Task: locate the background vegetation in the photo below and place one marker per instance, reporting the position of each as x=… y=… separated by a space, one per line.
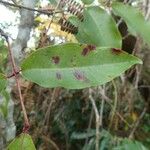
x=114 y=116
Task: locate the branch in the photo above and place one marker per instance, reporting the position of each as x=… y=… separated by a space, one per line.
x=26 y=121
x=89 y=125
x=31 y=9
x=97 y=119
x=137 y=123
x=13 y=74
x=15 y=51
x=102 y=106
x=25 y=26
x=114 y=105
x=108 y=101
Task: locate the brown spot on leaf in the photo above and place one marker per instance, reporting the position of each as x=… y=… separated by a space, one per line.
x=116 y=51
x=58 y=76
x=80 y=75
x=55 y=59
x=85 y=51
x=88 y=49
x=91 y=47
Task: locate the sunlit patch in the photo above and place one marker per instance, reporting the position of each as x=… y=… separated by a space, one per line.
x=55 y=59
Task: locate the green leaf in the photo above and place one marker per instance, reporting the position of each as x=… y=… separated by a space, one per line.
x=134 y=19
x=82 y=135
x=22 y=142
x=3 y=82
x=90 y=145
x=54 y=2
x=98 y=28
x=87 y=1
x=130 y=145
x=74 y=20
x=4 y=105
x=105 y=140
x=3 y=56
x=74 y=67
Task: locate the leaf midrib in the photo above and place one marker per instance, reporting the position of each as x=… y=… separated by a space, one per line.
x=71 y=68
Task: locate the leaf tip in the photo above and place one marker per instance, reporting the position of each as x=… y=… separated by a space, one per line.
x=139 y=61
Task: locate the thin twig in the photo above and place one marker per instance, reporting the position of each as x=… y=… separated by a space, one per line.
x=51 y=142
x=144 y=86
x=53 y=16
x=137 y=123
x=89 y=125
x=108 y=101
x=115 y=104
x=102 y=106
x=13 y=74
x=14 y=69
x=137 y=77
x=52 y=100
x=137 y=50
x=97 y=119
x=30 y=9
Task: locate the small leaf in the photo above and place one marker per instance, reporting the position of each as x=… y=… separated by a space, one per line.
x=3 y=82
x=74 y=20
x=54 y=2
x=98 y=28
x=130 y=145
x=78 y=66
x=3 y=56
x=90 y=145
x=134 y=19
x=22 y=142
x=87 y=1
x=83 y=135
x=4 y=105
